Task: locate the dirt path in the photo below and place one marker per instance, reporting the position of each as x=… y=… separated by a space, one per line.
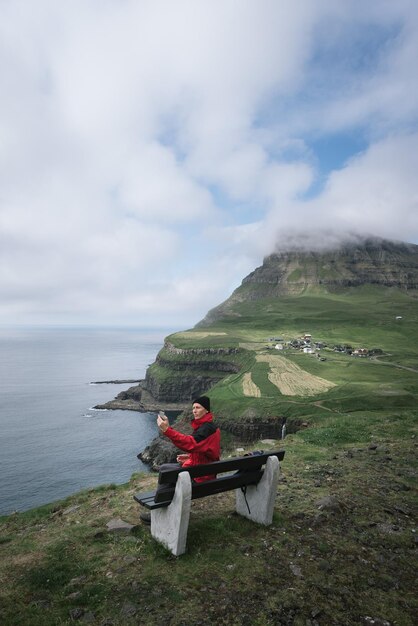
x=249 y=388
x=292 y=380
x=401 y=367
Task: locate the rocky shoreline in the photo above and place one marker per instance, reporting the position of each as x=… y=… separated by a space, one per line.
x=113 y=382
x=139 y=399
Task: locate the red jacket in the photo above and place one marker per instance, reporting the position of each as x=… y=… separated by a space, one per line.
x=204 y=446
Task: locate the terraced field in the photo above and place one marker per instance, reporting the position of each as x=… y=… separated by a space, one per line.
x=249 y=388
x=292 y=380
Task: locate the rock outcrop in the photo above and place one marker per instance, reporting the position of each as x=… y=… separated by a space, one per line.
x=291 y=272
x=159 y=451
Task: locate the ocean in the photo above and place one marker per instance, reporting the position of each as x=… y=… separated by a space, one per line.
x=52 y=442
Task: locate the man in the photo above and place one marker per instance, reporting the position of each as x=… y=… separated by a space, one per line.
x=203 y=446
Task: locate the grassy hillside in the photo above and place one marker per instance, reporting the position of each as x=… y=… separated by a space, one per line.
x=294 y=384
x=341 y=549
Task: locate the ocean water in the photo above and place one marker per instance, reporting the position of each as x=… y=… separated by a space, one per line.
x=52 y=443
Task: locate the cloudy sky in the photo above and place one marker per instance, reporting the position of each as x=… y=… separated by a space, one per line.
x=152 y=152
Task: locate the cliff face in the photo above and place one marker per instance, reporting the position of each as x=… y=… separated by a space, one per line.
x=176 y=377
x=179 y=374
x=373 y=262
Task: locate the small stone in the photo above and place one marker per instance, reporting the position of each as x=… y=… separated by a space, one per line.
x=375 y=621
x=71 y=509
x=296 y=571
x=387 y=529
x=99 y=535
x=128 y=609
x=401 y=509
x=117 y=525
x=319 y=518
x=78 y=580
x=129 y=559
x=74 y=595
x=328 y=503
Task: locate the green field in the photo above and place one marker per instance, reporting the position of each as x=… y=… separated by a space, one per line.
x=362 y=318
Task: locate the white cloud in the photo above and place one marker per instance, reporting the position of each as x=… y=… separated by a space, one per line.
x=154 y=150
x=377 y=191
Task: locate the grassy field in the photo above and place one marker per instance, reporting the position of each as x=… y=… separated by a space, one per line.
x=341 y=549
x=362 y=318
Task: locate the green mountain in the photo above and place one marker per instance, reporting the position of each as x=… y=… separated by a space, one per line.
x=295 y=272
x=305 y=335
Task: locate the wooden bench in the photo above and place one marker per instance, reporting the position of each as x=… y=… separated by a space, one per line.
x=254 y=479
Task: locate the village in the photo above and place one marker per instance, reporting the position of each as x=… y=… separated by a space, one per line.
x=306 y=344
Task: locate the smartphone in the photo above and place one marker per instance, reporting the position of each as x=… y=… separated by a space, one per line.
x=161 y=413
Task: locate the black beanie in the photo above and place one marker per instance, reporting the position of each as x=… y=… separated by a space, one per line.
x=203 y=401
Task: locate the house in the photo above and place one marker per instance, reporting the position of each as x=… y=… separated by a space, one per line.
x=308 y=350
x=360 y=352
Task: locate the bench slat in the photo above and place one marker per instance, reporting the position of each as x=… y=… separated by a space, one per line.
x=156 y=499
x=218 y=467
x=225 y=483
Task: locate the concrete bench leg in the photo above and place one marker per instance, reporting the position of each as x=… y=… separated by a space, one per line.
x=169 y=524
x=261 y=497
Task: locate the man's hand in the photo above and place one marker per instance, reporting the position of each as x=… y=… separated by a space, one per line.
x=162 y=423
x=182 y=458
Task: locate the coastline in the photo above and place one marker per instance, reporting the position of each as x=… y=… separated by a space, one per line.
x=139 y=399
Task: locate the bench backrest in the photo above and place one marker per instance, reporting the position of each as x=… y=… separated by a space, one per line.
x=250 y=470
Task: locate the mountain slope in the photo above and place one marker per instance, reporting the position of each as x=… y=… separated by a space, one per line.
x=374 y=262
x=306 y=335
